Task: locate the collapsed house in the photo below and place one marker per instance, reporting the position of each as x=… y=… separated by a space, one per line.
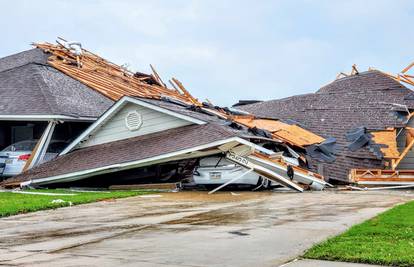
x=370 y=114
x=43 y=108
x=154 y=125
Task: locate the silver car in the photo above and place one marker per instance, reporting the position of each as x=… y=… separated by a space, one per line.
x=14 y=157
x=217 y=171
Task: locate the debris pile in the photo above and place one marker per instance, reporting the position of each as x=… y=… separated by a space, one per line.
x=357 y=129
x=275 y=150
x=106 y=77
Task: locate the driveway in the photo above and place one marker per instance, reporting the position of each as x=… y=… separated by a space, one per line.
x=187 y=229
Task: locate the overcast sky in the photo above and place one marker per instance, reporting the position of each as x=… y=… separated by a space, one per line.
x=225 y=50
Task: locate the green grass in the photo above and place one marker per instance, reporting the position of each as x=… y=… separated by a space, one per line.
x=12 y=203
x=387 y=239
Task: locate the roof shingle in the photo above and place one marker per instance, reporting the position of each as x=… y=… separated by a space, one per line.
x=29 y=86
x=128 y=150
x=369 y=99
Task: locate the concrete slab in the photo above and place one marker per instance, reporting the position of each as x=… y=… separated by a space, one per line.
x=187 y=229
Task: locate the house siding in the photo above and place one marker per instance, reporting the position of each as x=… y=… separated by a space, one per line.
x=115 y=128
x=407 y=163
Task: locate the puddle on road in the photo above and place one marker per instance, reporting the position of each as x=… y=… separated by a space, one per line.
x=64 y=233
x=259 y=214
x=217 y=217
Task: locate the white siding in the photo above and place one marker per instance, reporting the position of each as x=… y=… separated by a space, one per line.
x=115 y=128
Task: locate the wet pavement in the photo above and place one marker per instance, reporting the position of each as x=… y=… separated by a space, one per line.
x=187 y=229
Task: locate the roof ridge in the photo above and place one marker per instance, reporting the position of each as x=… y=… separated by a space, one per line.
x=21 y=66
x=41 y=89
x=22 y=58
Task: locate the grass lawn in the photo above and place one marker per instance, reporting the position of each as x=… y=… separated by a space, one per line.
x=12 y=203
x=387 y=239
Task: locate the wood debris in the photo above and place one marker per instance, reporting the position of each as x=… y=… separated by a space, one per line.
x=291 y=134
x=107 y=78
x=382 y=177
x=116 y=81
x=404 y=76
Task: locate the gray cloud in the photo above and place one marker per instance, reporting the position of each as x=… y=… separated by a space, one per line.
x=225 y=50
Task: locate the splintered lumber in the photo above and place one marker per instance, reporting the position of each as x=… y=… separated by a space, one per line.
x=186 y=93
x=403 y=76
x=291 y=134
x=382 y=177
x=108 y=78
x=408 y=68
x=157 y=77
x=160 y=186
x=114 y=82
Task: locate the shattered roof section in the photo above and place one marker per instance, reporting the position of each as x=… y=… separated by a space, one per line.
x=114 y=82
x=128 y=150
x=107 y=78
x=388 y=140
x=369 y=99
x=28 y=86
x=282 y=132
x=292 y=134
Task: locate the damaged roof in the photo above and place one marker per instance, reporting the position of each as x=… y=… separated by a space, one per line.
x=370 y=99
x=91 y=159
x=107 y=78
x=30 y=86
x=128 y=150
x=212 y=123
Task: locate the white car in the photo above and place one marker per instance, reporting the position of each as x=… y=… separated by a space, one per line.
x=218 y=170
x=14 y=157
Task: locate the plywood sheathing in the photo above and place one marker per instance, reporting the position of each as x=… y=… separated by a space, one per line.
x=107 y=78
x=291 y=134
x=389 y=139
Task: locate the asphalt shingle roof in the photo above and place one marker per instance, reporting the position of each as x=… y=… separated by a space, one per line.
x=369 y=99
x=127 y=150
x=29 y=86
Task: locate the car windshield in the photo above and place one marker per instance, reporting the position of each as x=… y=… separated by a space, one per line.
x=27 y=145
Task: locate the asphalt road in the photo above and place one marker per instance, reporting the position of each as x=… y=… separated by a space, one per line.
x=187 y=229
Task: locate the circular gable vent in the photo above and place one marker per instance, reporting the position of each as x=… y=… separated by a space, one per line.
x=133 y=120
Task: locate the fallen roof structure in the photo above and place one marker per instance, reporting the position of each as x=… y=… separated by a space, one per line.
x=115 y=82
x=188 y=134
x=151 y=123
x=371 y=108
x=107 y=78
